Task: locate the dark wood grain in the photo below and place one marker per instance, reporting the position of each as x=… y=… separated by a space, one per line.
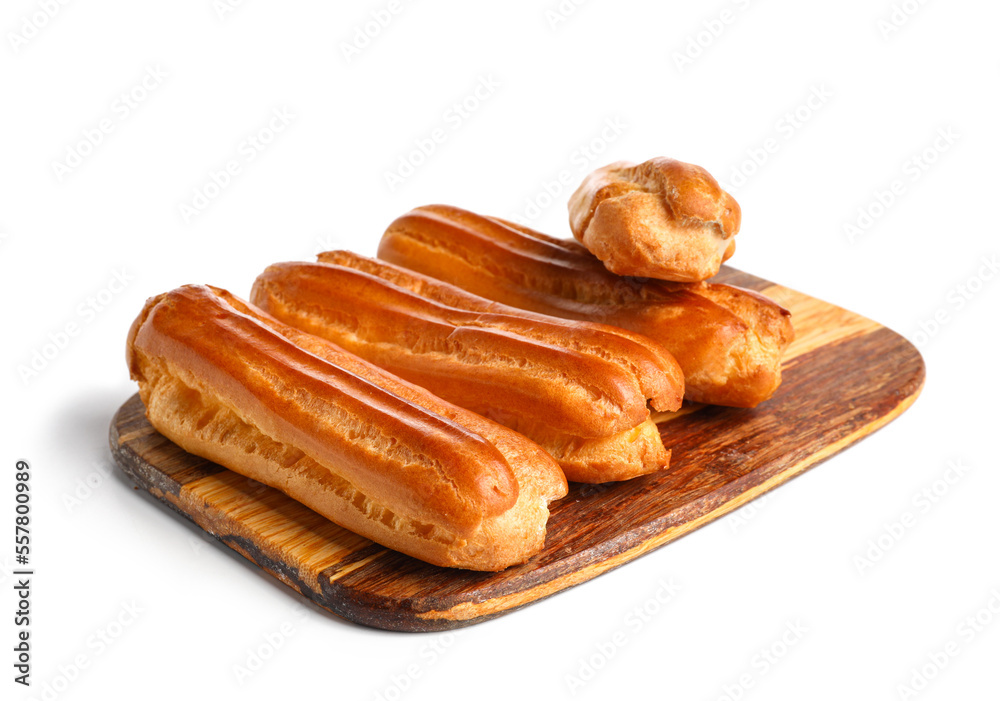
x=844 y=377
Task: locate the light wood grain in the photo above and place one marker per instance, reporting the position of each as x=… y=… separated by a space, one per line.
x=844 y=377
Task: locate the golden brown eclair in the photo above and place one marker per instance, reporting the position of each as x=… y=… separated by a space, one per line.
x=569 y=385
x=377 y=455
x=657 y=371
x=727 y=340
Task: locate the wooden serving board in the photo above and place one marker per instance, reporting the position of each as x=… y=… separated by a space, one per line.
x=844 y=377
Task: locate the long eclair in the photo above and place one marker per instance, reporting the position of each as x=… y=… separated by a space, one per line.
x=578 y=389
x=369 y=451
x=728 y=340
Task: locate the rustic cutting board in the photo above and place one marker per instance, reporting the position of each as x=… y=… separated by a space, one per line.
x=844 y=377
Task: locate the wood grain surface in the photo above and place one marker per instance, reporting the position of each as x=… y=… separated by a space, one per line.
x=844 y=377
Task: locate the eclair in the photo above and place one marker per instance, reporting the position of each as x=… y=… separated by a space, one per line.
x=367 y=450
x=578 y=389
x=727 y=340
x=662 y=219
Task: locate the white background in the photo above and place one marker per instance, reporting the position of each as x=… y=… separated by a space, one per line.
x=321 y=183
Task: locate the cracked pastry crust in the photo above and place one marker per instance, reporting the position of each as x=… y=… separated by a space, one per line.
x=369 y=451
x=661 y=219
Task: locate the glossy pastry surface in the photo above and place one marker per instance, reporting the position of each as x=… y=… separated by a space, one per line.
x=371 y=452
x=727 y=340
x=571 y=386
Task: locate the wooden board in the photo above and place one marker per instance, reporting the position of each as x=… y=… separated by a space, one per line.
x=844 y=377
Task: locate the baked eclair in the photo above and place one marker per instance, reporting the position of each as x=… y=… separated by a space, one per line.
x=371 y=452
x=727 y=340
x=570 y=386
x=662 y=219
